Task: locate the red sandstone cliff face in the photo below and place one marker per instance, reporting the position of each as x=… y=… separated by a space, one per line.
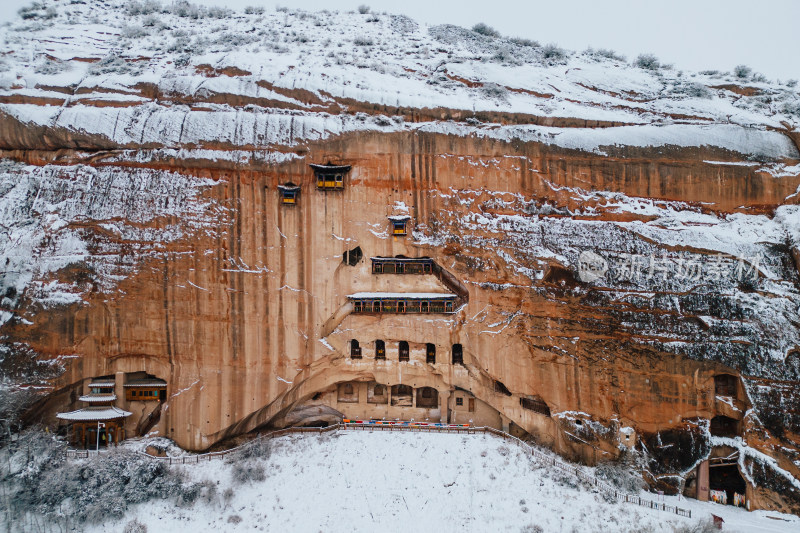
x=161 y=245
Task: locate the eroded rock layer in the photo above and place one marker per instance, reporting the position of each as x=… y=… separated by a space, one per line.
x=620 y=284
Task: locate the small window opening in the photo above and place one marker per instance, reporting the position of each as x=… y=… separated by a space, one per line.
x=403 y=351
x=430 y=353
x=458 y=354
x=380 y=349
x=399 y=227
x=355 y=349
x=352 y=257
x=289 y=193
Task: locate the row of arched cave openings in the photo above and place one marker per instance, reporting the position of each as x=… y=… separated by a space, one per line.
x=404 y=352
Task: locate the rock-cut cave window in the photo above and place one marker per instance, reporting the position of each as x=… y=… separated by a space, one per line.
x=430 y=353
x=355 y=349
x=403 y=351
x=458 y=354
x=352 y=257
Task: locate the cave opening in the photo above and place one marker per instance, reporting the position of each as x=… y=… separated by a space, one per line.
x=726 y=484
x=403 y=351
x=380 y=349
x=457 y=354
x=430 y=353
x=427 y=397
x=352 y=257
x=725 y=385
x=724 y=426
x=355 y=349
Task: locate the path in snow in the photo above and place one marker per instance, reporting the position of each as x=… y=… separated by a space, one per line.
x=416 y=482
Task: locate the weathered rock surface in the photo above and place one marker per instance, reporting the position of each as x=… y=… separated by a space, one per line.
x=148 y=235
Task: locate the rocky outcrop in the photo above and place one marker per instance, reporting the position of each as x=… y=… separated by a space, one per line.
x=152 y=237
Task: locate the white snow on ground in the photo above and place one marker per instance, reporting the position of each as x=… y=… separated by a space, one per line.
x=402 y=481
x=105 y=50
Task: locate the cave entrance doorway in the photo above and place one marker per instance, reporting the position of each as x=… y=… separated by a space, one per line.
x=724 y=426
x=427 y=397
x=402 y=395
x=726 y=484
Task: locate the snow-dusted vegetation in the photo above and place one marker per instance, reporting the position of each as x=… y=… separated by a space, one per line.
x=183 y=50
x=115 y=105
x=335 y=482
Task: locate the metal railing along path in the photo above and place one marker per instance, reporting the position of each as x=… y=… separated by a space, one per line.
x=359 y=425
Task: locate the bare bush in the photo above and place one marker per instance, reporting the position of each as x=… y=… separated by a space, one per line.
x=92 y=491
x=37 y=11
x=792 y=108
x=50 y=67
x=647 y=62
x=113 y=63
x=694 y=90
x=553 y=54
x=134 y=32
x=742 y=71
x=363 y=9
x=624 y=473
x=143 y=8
x=519 y=41
x=134 y=526
x=485 y=29
x=254 y=10
x=495 y=91
x=247 y=472
x=604 y=53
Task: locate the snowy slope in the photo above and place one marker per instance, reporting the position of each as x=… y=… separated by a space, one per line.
x=401 y=481
x=297 y=64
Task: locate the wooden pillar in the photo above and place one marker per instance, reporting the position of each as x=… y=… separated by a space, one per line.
x=702 y=482
x=444 y=402
x=363 y=390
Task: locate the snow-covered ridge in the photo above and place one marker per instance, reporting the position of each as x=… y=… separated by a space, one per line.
x=291 y=66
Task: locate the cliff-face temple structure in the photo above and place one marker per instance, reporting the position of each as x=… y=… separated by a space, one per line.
x=216 y=223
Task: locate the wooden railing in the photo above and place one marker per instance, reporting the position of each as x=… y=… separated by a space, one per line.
x=544 y=458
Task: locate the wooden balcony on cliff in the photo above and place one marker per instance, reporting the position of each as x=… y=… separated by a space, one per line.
x=146 y=390
x=402 y=265
x=330 y=177
x=402 y=303
x=399 y=223
x=537 y=405
x=289 y=193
